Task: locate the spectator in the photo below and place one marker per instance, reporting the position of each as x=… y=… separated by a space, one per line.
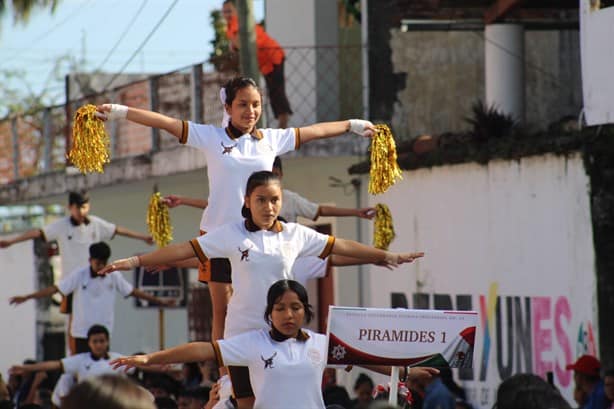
x=363 y=388
x=190 y=375
x=108 y=392
x=528 y=391
x=587 y=378
x=336 y=395
x=436 y=394
x=608 y=386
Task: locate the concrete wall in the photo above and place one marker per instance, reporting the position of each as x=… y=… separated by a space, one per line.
x=445 y=75
x=496 y=235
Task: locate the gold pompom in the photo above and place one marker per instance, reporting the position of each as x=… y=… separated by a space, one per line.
x=383 y=231
x=90 y=147
x=158 y=220
x=384 y=170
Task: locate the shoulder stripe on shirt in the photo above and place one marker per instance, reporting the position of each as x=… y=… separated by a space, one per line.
x=218 y=354
x=328 y=248
x=297 y=138
x=184 y=132
x=198 y=251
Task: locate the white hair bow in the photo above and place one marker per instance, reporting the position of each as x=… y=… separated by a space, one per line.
x=226 y=117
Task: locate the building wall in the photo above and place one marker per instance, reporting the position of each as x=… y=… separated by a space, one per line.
x=444 y=75
x=515 y=238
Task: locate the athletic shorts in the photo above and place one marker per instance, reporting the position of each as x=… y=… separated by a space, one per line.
x=241 y=386
x=216 y=270
x=276 y=86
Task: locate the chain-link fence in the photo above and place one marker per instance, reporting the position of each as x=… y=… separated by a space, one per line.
x=322 y=84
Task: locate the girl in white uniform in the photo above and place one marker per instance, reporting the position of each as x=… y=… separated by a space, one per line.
x=233 y=152
x=261 y=250
x=285 y=361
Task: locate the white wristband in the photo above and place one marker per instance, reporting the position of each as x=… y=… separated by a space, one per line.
x=133 y=262
x=358 y=126
x=117 y=111
x=391 y=258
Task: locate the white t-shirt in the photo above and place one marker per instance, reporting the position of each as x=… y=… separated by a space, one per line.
x=75 y=241
x=230 y=162
x=294 y=205
x=93 y=299
x=307 y=268
x=283 y=375
x=258 y=259
x=83 y=366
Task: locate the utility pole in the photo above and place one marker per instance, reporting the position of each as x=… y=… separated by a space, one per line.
x=247 y=39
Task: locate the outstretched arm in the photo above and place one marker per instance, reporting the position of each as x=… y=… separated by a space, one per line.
x=141 y=116
x=329 y=129
x=39 y=366
x=45 y=292
x=165 y=255
x=29 y=235
x=350 y=248
x=365 y=212
x=148 y=297
x=407 y=373
x=190 y=352
x=174 y=201
x=122 y=231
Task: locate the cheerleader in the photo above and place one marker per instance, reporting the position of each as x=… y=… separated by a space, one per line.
x=261 y=250
x=233 y=152
x=285 y=361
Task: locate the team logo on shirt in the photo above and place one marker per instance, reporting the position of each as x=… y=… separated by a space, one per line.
x=227 y=149
x=268 y=362
x=244 y=253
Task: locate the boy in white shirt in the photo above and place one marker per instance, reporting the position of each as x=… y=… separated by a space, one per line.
x=94 y=295
x=74 y=234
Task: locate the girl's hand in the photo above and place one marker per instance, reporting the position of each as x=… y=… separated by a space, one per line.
x=408 y=257
x=362 y=127
x=16 y=370
x=130 y=362
x=367 y=213
x=111 y=111
x=123 y=264
x=172 y=200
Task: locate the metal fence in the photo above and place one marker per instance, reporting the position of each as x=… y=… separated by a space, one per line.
x=322 y=83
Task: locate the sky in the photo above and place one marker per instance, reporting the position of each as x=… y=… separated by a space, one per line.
x=87 y=30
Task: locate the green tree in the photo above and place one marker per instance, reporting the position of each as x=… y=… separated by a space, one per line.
x=22 y=9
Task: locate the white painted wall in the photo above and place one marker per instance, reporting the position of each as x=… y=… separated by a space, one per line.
x=511 y=228
x=18 y=323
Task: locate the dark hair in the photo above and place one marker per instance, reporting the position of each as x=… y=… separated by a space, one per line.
x=100 y=251
x=528 y=391
x=97 y=329
x=200 y=393
x=363 y=378
x=336 y=396
x=261 y=178
x=277 y=290
x=230 y=1
x=277 y=163
x=78 y=198
x=238 y=83
x=164 y=402
x=107 y=392
x=609 y=372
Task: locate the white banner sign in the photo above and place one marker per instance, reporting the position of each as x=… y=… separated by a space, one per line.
x=399 y=337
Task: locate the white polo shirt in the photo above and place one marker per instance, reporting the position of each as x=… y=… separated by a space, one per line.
x=294 y=205
x=83 y=366
x=75 y=241
x=307 y=268
x=258 y=259
x=93 y=299
x=283 y=375
x=230 y=162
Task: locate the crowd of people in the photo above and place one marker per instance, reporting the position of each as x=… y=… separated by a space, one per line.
x=255 y=260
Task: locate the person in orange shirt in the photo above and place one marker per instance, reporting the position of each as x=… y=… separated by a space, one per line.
x=271 y=59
